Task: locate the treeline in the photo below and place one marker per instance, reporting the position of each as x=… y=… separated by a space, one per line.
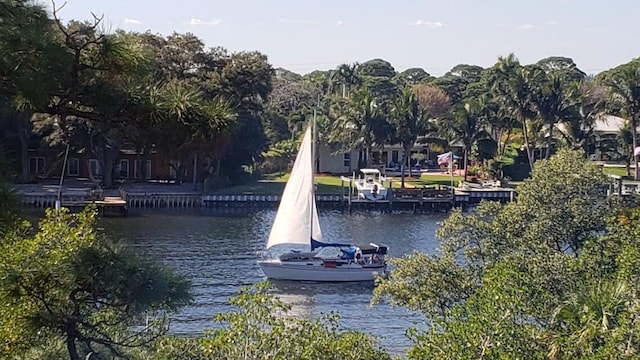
x=490 y=112
x=75 y=85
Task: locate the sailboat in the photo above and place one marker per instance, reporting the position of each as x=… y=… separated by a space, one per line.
x=297 y=224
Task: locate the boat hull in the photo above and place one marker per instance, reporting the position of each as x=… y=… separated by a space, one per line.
x=317 y=271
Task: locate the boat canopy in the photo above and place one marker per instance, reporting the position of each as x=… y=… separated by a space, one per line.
x=319 y=244
x=370 y=171
x=374 y=249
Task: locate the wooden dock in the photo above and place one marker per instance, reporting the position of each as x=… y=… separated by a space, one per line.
x=109 y=205
x=417 y=199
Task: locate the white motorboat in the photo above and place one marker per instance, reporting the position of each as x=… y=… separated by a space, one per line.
x=297 y=223
x=369 y=185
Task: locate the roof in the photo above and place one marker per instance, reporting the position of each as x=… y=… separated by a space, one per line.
x=606 y=124
x=370 y=171
x=609 y=124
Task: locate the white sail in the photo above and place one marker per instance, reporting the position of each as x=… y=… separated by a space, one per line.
x=297 y=216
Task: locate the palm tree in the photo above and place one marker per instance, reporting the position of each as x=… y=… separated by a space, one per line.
x=583 y=323
x=509 y=82
x=346 y=75
x=623 y=83
x=354 y=122
x=410 y=122
x=553 y=101
x=579 y=125
x=467 y=125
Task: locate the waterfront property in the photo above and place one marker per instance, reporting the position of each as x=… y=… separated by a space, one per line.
x=429 y=194
x=418 y=199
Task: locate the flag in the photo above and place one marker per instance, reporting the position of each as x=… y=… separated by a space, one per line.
x=445 y=158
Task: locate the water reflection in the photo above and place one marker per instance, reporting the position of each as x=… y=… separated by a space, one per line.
x=218 y=250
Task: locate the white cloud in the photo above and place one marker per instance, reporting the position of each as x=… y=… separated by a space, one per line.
x=132 y=21
x=434 y=25
x=339 y=23
x=298 y=21
x=525 y=27
x=199 y=22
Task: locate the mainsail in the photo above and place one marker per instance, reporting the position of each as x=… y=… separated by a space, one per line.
x=297 y=221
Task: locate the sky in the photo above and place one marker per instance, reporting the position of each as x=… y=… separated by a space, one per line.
x=303 y=36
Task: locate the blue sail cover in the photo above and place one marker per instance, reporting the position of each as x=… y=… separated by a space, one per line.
x=318 y=244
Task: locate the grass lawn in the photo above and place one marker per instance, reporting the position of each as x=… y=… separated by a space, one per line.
x=331 y=184
x=328 y=184
x=618 y=170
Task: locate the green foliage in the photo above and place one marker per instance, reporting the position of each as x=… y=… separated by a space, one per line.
x=490 y=324
x=70 y=283
x=504 y=270
x=261 y=329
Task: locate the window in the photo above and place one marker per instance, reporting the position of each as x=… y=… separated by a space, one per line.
x=124 y=169
x=172 y=169
x=346 y=160
x=394 y=156
x=73 y=167
x=94 y=166
x=36 y=166
x=136 y=170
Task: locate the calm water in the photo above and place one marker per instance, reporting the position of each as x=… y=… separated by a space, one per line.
x=217 y=251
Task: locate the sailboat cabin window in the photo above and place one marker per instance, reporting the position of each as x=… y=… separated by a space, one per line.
x=346 y=159
x=73 y=167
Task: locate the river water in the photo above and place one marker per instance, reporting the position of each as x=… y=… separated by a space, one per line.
x=217 y=250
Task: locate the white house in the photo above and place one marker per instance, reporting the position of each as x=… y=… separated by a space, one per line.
x=335 y=162
x=605 y=131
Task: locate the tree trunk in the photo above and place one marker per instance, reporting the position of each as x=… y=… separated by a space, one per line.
x=71 y=348
x=140 y=175
x=107 y=169
x=404 y=164
x=549 y=140
x=466 y=152
x=634 y=140
x=24 y=157
x=525 y=133
x=92 y=178
x=195 y=170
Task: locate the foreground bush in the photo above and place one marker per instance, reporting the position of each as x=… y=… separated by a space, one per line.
x=261 y=329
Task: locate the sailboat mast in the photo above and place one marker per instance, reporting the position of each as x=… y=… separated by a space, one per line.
x=313 y=172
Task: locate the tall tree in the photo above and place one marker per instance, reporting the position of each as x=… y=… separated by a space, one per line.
x=577 y=129
x=67 y=282
x=467 y=125
x=354 y=124
x=410 y=122
x=553 y=100
x=509 y=82
x=346 y=76
x=623 y=83
x=29 y=50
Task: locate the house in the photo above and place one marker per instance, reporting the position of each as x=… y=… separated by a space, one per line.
x=47 y=163
x=605 y=132
x=604 y=145
x=333 y=161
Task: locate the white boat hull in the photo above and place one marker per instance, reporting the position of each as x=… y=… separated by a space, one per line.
x=316 y=271
x=369 y=194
